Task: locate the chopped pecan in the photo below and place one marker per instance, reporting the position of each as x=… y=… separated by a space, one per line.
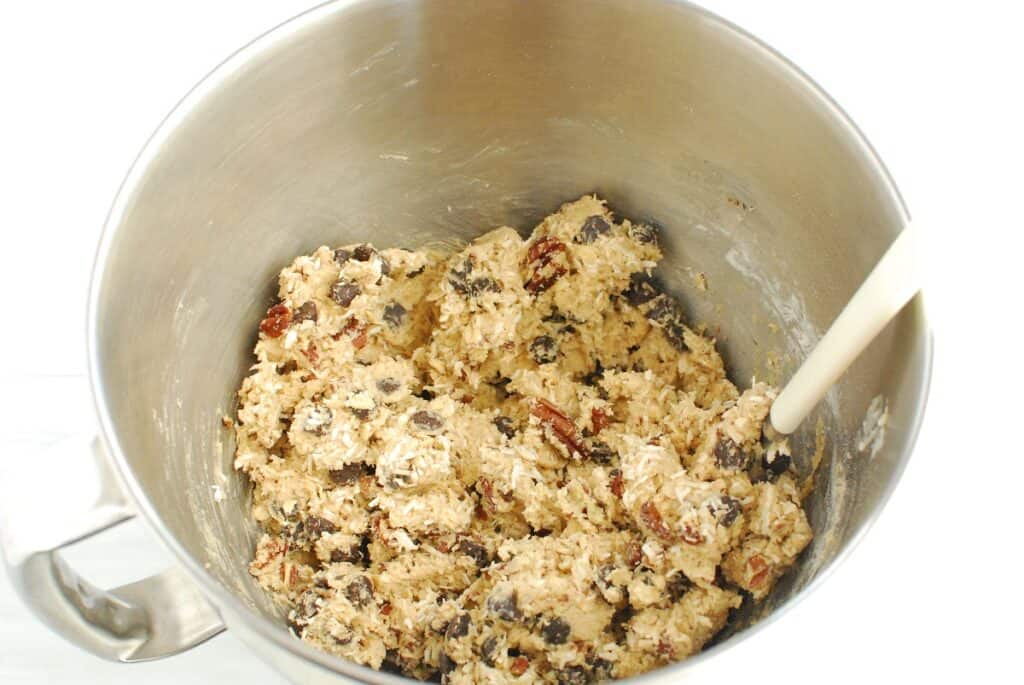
x=691 y=535
x=599 y=419
x=544 y=270
x=311 y=354
x=617 y=486
x=487 y=490
x=635 y=553
x=356 y=330
x=759 y=571
x=519 y=666
x=277 y=320
x=560 y=424
x=275 y=548
x=651 y=517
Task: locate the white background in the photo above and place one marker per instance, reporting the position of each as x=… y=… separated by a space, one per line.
x=931 y=595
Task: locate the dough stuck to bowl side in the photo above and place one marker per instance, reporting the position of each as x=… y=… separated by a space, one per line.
x=515 y=462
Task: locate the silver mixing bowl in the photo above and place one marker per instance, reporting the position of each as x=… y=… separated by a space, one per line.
x=401 y=122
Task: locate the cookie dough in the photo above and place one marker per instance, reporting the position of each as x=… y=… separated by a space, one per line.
x=514 y=463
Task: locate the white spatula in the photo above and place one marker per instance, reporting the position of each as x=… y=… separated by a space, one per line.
x=893 y=282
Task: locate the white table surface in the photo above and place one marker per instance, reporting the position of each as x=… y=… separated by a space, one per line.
x=931 y=594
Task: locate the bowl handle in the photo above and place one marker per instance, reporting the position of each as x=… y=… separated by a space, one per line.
x=148 y=619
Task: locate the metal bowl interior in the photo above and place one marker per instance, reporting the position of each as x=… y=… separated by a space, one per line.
x=402 y=123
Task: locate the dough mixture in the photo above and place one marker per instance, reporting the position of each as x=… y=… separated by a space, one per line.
x=514 y=463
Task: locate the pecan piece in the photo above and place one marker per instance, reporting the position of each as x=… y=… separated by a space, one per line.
x=519 y=666
x=759 y=571
x=277 y=320
x=691 y=535
x=634 y=553
x=355 y=330
x=487 y=490
x=651 y=517
x=617 y=486
x=560 y=424
x=544 y=270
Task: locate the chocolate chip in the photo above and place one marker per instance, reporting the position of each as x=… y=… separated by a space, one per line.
x=483 y=285
x=728 y=511
x=305 y=609
x=280 y=446
x=461 y=280
x=458 y=276
x=457 y=627
x=287 y=367
x=500 y=387
x=445 y=664
x=385 y=267
x=601 y=668
x=667 y=314
x=352 y=555
x=678 y=585
x=544 y=349
x=593 y=228
x=594 y=376
x=642 y=289
x=349 y=473
x=572 y=675
x=554 y=317
x=729 y=455
x=426 y=394
x=341 y=255
x=505 y=426
x=360 y=591
x=344 y=291
x=318 y=420
x=505 y=606
x=307 y=312
x=602 y=577
x=316 y=526
x=474 y=550
x=489 y=650
x=428 y=421
x=394 y=314
x=416 y=272
x=388 y=385
x=361 y=413
x=357 y=554
x=556 y=631
x=644 y=234
x=601 y=452
x=392 y=662
x=363 y=253
x=617 y=624
x=777 y=467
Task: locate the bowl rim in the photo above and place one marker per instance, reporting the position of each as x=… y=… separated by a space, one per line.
x=273 y=632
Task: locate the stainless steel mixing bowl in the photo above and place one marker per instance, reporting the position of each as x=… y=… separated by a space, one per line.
x=401 y=122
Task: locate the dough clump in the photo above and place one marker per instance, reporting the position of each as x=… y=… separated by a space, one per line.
x=511 y=463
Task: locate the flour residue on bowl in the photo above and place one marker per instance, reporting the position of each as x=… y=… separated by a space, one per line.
x=871 y=436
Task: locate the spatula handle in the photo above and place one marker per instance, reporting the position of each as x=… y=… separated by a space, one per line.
x=893 y=282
